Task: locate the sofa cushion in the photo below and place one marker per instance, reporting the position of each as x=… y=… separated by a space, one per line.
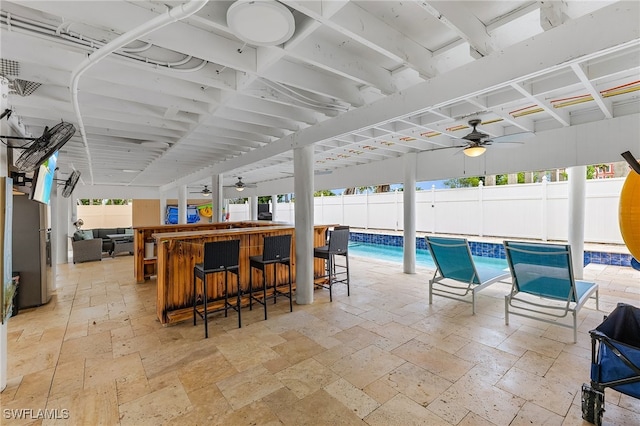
x=83 y=235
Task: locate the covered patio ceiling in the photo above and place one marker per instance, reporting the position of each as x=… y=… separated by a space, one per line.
x=364 y=82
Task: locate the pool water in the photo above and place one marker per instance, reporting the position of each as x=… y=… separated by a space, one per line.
x=423 y=257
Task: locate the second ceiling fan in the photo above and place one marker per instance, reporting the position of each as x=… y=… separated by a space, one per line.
x=240 y=185
x=206 y=192
x=477 y=141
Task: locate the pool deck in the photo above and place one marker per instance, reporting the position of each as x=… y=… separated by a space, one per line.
x=381 y=356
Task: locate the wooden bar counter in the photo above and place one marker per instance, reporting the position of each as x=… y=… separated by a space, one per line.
x=146 y=266
x=178 y=252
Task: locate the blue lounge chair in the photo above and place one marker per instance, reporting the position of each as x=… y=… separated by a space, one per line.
x=543 y=286
x=456 y=273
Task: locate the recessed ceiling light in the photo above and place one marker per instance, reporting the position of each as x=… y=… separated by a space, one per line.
x=260 y=22
x=131 y=171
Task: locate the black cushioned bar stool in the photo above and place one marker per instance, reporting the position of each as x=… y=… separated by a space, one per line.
x=277 y=250
x=219 y=256
x=338 y=246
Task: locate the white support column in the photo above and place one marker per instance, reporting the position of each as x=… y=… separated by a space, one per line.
x=303 y=188
x=433 y=209
x=396 y=207
x=366 y=210
x=254 y=207
x=74 y=209
x=545 y=211
x=480 y=209
x=4 y=172
x=409 y=198
x=274 y=206
x=217 y=197
x=62 y=228
x=163 y=207
x=577 y=190
x=182 y=204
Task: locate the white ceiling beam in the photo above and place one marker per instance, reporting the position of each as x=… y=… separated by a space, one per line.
x=258 y=119
x=604 y=105
x=360 y=70
x=232 y=124
x=359 y=25
x=203 y=44
x=572 y=42
x=467 y=26
x=523 y=123
x=298 y=76
x=220 y=142
x=511 y=16
x=552 y=13
x=262 y=106
x=23 y=44
x=205 y=130
x=560 y=116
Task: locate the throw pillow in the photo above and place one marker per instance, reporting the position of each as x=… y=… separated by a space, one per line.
x=87 y=235
x=78 y=235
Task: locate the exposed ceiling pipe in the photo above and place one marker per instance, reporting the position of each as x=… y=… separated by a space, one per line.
x=170 y=16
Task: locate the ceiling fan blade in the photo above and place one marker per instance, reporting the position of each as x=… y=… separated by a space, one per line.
x=519 y=138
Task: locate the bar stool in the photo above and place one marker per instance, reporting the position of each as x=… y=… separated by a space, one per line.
x=338 y=246
x=277 y=250
x=219 y=256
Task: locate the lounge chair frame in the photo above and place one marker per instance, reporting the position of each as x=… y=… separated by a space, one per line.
x=520 y=302
x=446 y=284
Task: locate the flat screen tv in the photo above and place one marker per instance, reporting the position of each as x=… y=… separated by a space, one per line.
x=43 y=180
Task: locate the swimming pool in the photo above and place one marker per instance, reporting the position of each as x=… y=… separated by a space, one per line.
x=423 y=257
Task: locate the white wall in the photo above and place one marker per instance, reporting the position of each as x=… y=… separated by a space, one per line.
x=102 y=216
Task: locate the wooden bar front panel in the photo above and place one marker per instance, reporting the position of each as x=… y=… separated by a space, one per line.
x=144 y=268
x=179 y=252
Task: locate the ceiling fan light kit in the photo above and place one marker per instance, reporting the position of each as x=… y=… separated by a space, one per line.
x=474 y=151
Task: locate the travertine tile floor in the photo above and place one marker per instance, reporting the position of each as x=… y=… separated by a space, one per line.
x=97 y=354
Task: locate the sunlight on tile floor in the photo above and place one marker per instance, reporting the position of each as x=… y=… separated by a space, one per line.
x=98 y=355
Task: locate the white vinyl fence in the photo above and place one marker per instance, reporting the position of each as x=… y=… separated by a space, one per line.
x=536 y=210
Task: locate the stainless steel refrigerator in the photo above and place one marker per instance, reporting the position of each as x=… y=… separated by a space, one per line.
x=32 y=251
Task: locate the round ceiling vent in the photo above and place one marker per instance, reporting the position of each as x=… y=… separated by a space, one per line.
x=260 y=22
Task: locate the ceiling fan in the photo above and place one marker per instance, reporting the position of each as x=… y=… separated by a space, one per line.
x=205 y=191
x=240 y=185
x=477 y=141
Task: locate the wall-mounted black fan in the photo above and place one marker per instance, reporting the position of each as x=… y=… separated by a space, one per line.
x=70 y=184
x=41 y=148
